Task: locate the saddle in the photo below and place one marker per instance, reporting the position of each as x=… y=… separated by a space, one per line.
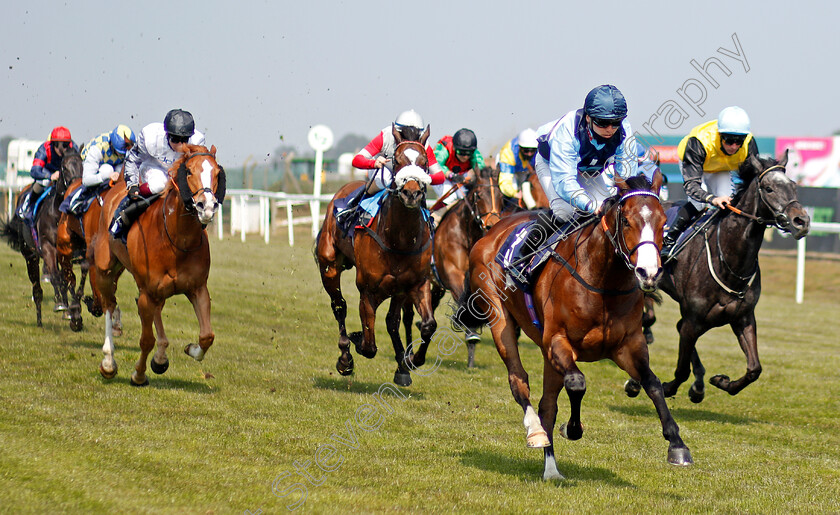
x=696 y=227
x=524 y=270
x=79 y=202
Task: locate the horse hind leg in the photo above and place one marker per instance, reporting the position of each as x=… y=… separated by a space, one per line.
x=744 y=329
x=689 y=333
x=148 y=310
x=34 y=272
x=698 y=390
x=160 y=362
x=331 y=279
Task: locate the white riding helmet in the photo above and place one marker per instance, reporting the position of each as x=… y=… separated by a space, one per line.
x=528 y=139
x=409 y=119
x=733 y=120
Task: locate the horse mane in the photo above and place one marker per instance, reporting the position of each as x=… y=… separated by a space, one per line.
x=173 y=170
x=636 y=183
x=411 y=133
x=748 y=173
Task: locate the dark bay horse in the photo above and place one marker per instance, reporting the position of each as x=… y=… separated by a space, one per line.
x=391 y=256
x=587 y=306
x=167 y=252
x=73 y=238
x=468 y=220
x=716 y=278
x=22 y=238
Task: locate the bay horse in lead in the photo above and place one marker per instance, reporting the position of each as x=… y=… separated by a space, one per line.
x=391 y=255
x=716 y=278
x=167 y=252
x=587 y=306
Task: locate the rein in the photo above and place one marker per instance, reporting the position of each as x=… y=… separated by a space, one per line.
x=618 y=239
x=758 y=219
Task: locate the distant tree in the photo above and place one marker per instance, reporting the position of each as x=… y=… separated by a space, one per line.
x=836 y=133
x=348 y=143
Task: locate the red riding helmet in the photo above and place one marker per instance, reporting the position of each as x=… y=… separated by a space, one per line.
x=60 y=134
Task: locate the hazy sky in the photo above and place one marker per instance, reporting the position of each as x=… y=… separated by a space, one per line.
x=256 y=74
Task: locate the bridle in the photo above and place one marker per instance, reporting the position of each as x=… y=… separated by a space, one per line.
x=188 y=196
x=780 y=219
x=617 y=239
x=483 y=219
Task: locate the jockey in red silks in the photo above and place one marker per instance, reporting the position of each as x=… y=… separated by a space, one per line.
x=46 y=167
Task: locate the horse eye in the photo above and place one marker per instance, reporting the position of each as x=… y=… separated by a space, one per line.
x=768 y=189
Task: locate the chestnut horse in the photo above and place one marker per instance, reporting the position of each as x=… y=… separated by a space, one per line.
x=391 y=255
x=587 y=306
x=167 y=252
x=22 y=238
x=73 y=238
x=468 y=220
x=716 y=278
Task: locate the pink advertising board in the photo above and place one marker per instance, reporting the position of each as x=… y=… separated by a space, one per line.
x=812 y=161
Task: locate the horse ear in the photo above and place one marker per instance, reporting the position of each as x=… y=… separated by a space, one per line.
x=425 y=135
x=755 y=163
x=783 y=161
x=620 y=183
x=213 y=150
x=396 y=133
x=656 y=185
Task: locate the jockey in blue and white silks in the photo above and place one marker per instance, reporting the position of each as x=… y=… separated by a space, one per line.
x=577 y=167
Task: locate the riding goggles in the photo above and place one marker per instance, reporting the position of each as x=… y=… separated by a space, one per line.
x=603 y=123
x=733 y=139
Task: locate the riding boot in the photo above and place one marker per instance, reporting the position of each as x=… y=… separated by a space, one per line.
x=349 y=211
x=27 y=209
x=684 y=217
x=438 y=214
x=126 y=213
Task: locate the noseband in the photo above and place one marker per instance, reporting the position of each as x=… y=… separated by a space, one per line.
x=477 y=215
x=617 y=239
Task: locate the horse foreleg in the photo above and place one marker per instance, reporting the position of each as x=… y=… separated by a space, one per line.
x=366 y=345
x=160 y=362
x=648 y=319
x=744 y=329
x=552 y=384
x=408 y=319
x=200 y=299
x=402 y=376
x=633 y=358
x=422 y=299
x=49 y=254
x=148 y=310
x=689 y=333
x=34 y=272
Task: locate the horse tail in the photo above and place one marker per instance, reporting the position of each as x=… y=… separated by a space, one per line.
x=467 y=315
x=13 y=233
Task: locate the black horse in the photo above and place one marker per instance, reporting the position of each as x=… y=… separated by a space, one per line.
x=38 y=241
x=716 y=279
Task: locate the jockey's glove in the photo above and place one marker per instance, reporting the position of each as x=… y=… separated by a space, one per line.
x=456 y=178
x=134 y=192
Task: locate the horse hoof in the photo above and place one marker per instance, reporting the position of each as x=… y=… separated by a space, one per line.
x=59 y=307
x=75 y=324
x=402 y=379
x=720 y=380
x=116 y=331
x=696 y=395
x=537 y=440
x=648 y=335
x=106 y=374
x=632 y=388
x=473 y=338
x=571 y=434
x=680 y=457
x=357 y=338
x=144 y=383
x=66 y=316
x=344 y=368
x=669 y=389
x=158 y=368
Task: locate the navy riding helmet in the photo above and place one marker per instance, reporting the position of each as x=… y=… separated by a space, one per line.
x=605 y=102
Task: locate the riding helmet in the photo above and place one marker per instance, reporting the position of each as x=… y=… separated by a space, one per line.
x=465 y=139
x=179 y=123
x=733 y=120
x=118 y=137
x=527 y=138
x=60 y=134
x=409 y=118
x=605 y=102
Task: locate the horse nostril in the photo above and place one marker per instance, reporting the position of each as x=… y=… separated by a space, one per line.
x=641 y=272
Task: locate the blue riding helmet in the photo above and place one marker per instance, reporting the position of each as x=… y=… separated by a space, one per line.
x=605 y=102
x=118 y=137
